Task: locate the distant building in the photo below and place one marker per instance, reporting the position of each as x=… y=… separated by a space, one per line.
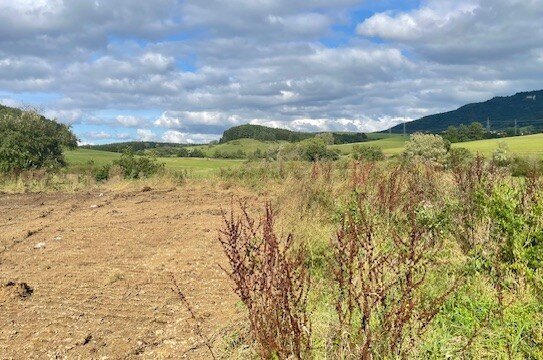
x=531 y=97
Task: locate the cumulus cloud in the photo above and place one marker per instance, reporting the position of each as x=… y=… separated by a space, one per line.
x=146 y=135
x=463 y=31
x=184 y=71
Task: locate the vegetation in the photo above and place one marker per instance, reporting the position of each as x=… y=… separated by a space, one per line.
x=427 y=147
x=525 y=107
x=406 y=260
x=313 y=149
x=264 y=133
x=368 y=153
x=30 y=141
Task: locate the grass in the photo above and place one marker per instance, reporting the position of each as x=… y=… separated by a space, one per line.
x=391 y=144
x=522 y=145
x=198 y=166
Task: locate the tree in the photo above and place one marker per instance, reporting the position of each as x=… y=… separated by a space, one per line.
x=30 y=141
x=427 y=147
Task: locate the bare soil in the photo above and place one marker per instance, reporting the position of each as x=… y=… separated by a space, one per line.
x=89 y=275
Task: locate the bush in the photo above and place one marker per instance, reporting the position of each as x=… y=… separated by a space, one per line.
x=313 y=149
x=137 y=167
x=30 y=141
x=428 y=147
x=368 y=153
x=459 y=158
x=501 y=156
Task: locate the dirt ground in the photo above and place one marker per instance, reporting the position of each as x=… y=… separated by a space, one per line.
x=89 y=275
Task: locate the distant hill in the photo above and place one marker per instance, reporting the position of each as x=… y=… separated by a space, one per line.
x=264 y=133
x=525 y=107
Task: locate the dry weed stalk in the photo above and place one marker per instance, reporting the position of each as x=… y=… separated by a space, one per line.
x=272 y=281
x=197 y=327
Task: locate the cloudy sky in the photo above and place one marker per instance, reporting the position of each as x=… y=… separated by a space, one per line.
x=185 y=70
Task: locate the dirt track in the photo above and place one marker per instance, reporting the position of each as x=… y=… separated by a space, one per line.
x=102 y=280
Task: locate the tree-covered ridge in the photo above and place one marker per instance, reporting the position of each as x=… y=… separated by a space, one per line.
x=264 y=133
x=526 y=108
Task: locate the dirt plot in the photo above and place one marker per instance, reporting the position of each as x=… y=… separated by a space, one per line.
x=88 y=275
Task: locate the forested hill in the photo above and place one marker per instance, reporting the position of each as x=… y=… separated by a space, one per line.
x=525 y=107
x=264 y=133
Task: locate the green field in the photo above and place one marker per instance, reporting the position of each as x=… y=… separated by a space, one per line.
x=391 y=144
x=394 y=144
x=199 y=166
x=522 y=145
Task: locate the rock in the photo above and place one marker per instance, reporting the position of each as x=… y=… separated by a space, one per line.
x=57 y=238
x=39 y=245
x=94 y=206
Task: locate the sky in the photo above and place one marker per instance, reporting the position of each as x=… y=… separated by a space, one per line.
x=185 y=70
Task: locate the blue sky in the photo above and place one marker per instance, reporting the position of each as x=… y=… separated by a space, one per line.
x=184 y=71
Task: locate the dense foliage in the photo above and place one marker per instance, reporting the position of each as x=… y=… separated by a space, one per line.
x=265 y=133
x=313 y=149
x=30 y=141
x=427 y=147
x=368 y=153
x=525 y=107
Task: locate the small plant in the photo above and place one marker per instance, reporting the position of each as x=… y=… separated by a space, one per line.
x=134 y=167
x=271 y=280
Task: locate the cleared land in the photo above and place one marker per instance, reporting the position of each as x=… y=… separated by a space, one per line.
x=101 y=279
x=198 y=166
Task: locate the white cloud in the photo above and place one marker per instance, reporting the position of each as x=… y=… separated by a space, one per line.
x=178 y=137
x=129 y=120
x=146 y=135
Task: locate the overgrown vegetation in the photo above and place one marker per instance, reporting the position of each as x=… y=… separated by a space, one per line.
x=415 y=258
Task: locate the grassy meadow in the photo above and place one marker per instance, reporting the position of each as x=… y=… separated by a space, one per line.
x=80 y=158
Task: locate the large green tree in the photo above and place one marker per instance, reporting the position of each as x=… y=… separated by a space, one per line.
x=30 y=141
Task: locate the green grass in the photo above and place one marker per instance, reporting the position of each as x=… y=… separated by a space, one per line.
x=81 y=157
x=391 y=144
x=248 y=146
x=522 y=145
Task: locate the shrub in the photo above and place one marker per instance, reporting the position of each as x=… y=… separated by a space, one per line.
x=459 y=158
x=368 y=153
x=272 y=282
x=313 y=149
x=134 y=167
x=427 y=147
x=501 y=156
x=30 y=141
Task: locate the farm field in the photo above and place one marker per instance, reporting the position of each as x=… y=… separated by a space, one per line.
x=394 y=144
x=197 y=166
x=391 y=144
x=522 y=145
x=101 y=280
